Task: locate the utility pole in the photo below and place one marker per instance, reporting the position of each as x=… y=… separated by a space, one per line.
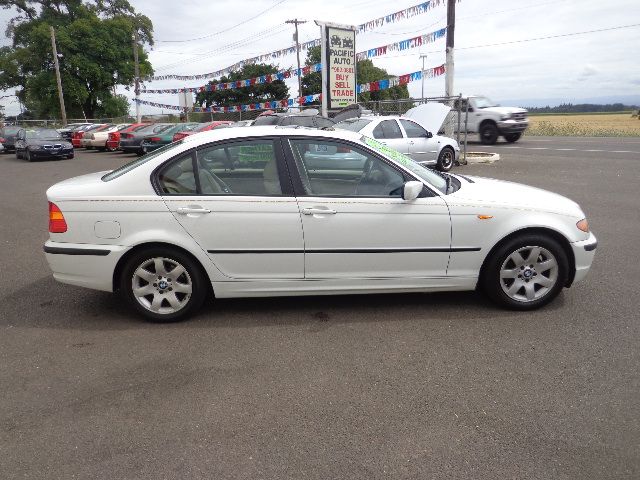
x=58 y=79
x=295 y=21
x=448 y=89
x=137 y=74
x=423 y=57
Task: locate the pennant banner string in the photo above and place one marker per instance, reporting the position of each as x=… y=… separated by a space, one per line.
x=407 y=13
x=290 y=102
x=414 y=42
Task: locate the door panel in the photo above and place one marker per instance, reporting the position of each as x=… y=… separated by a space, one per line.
x=243 y=211
x=367 y=230
x=421 y=148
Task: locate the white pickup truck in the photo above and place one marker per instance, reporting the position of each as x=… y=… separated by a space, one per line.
x=489 y=120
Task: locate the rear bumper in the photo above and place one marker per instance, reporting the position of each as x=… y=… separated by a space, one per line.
x=113 y=144
x=84 y=265
x=584 y=252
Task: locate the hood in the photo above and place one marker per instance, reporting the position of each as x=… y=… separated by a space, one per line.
x=503 y=110
x=498 y=193
x=429 y=115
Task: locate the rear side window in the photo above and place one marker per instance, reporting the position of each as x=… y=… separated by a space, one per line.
x=353 y=125
x=139 y=161
x=387 y=129
x=177 y=177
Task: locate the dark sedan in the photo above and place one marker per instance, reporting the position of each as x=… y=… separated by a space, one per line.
x=8 y=138
x=131 y=142
x=42 y=144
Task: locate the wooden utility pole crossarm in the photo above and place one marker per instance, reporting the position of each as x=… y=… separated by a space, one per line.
x=63 y=111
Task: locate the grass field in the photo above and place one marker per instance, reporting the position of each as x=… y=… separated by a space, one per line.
x=585 y=125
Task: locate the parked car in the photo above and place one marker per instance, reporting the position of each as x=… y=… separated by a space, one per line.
x=8 y=137
x=113 y=140
x=67 y=132
x=98 y=138
x=76 y=137
x=157 y=140
x=201 y=128
x=307 y=118
x=412 y=135
x=390 y=225
x=131 y=142
x=42 y=144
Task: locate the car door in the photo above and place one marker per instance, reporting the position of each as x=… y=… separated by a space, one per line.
x=423 y=146
x=236 y=200
x=357 y=225
x=388 y=132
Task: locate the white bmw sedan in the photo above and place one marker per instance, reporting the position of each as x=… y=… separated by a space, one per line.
x=253 y=211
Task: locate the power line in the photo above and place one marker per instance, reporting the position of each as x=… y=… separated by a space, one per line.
x=523 y=40
x=226 y=29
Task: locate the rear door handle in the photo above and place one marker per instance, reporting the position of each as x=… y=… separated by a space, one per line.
x=318 y=211
x=187 y=210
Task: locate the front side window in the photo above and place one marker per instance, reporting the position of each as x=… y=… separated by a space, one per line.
x=247 y=167
x=330 y=168
x=387 y=129
x=413 y=129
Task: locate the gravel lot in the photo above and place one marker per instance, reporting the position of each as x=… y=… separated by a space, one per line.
x=417 y=386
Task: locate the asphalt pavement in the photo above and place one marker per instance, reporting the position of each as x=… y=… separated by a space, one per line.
x=420 y=386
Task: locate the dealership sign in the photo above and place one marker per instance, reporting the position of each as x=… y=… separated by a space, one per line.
x=338 y=66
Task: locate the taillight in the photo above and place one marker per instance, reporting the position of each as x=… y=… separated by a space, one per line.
x=2 y=140
x=57 y=223
x=155 y=139
x=127 y=135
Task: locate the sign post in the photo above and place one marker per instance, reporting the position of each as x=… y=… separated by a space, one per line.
x=338 y=54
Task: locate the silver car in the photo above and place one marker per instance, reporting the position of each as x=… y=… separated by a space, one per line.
x=410 y=136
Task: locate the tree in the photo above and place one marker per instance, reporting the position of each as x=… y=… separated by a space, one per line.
x=94 y=42
x=365 y=72
x=262 y=92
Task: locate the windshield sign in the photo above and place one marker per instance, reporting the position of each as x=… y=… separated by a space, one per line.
x=424 y=173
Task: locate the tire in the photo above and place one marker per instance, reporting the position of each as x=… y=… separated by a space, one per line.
x=512 y=137
x=488 y=133
x=70 y=156
x=508 y=279
x=445 y=159
x=28 y=156
x=170 y=299
x=18 y=157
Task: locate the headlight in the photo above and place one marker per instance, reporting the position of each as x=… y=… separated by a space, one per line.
x=505 y=117
x=34 y=147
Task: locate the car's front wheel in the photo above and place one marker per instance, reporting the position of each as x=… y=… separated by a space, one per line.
x=526 y=272
x=163 y=284
x=512 y=137
x=445 y=159
x=488 y=133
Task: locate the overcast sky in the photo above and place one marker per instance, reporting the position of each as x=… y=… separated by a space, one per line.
x=568 y=68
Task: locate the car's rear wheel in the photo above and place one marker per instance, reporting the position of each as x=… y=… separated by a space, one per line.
x=445 y=159
x=526 y=272
x=512 y=137
x=163 y=284
x=488 y=133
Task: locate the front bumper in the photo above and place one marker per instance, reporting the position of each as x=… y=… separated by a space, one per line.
x=513 y=126
x=51 y=154
x=84 y=265
x=584 y=252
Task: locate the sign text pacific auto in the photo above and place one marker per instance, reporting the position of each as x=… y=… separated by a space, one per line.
x=342 y=67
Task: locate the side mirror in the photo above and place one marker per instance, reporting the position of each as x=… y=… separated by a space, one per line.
x=411 y=190
x=429 y=135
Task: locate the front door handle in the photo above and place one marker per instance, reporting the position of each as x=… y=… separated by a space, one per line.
x=318 y=211
x=193 y=209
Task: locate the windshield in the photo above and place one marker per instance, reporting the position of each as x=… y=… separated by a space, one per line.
x=484 y=102
x=423 y=173
x=139 y=161
x=44 y=134
x=353 y=124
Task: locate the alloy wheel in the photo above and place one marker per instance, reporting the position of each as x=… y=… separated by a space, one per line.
x=529 y=273
x=162 y=285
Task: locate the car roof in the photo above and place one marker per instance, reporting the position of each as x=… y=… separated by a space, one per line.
x=269 y=130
